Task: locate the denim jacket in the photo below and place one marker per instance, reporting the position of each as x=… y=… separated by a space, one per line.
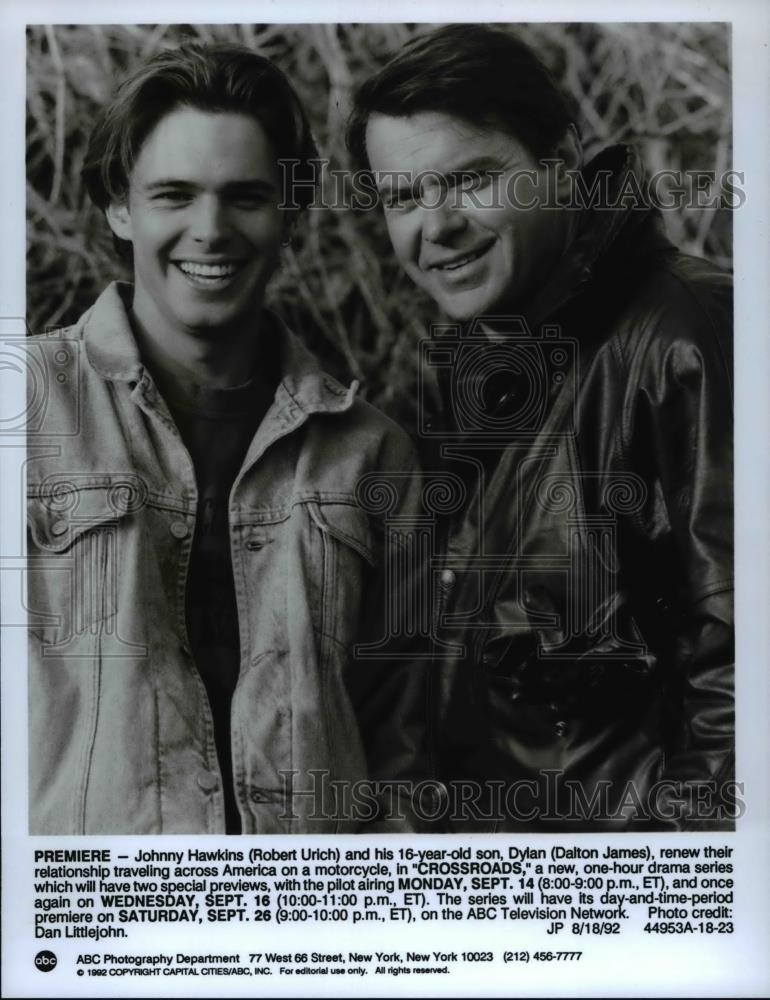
x=121 y=734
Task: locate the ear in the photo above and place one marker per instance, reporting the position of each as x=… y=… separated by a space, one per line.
x=568 y=154
x=119 y=219
x=570 y=149
x=289 y=225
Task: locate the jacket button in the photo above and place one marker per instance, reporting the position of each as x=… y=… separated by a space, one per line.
x=257 y=795
x=207 y=781
x=254 y=544
x=447 y=578
x=179 y=529
x=59 y=527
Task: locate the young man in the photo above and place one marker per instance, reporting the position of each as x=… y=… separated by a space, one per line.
x=586 y=583
x=200 y=566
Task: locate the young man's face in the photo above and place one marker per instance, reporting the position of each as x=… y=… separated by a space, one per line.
x=202 y=215
x=480 y=252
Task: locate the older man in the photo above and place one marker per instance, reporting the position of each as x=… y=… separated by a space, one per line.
x=585 y=579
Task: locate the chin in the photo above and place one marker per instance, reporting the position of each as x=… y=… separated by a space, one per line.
x=468 y=309
x=208 y=324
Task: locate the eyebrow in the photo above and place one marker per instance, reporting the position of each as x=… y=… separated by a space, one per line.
x=477 y=165
x=231 y=187
x=474 y=166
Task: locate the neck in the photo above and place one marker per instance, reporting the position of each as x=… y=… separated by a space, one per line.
x=219 y=358
x=538 y=303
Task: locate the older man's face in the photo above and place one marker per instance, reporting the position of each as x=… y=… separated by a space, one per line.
x=477 y=247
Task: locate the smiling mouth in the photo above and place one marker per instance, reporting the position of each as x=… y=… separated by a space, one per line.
x=208 y=275
x=455 y=263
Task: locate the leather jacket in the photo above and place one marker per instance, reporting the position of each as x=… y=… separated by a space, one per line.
x=121 y=733
x=585 y=586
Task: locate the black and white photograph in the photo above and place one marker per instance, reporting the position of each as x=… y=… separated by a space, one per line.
x=457 y=243
x=375 y=474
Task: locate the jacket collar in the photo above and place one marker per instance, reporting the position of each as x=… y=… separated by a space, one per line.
x=604 y=234
x=113 y=353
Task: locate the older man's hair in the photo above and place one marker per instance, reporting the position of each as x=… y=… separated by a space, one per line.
x=483 y=75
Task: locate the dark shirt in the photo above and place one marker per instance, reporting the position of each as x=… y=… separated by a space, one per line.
x=217 y=426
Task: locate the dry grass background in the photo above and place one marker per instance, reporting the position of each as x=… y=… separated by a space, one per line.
x=666 y=86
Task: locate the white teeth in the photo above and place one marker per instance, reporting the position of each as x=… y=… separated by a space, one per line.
x=461 y=263
x=207 y=270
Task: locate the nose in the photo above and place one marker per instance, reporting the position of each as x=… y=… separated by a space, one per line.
x=440 y=224
x=208 y=224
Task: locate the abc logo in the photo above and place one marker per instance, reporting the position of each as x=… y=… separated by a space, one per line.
x=45 y=961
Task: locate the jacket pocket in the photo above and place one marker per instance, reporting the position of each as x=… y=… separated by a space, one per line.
x=347 y=564
x=72 y=559
x=346 y=552
x=347 y=524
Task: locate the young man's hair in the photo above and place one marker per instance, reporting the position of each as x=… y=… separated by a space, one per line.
x=227 y=78
x=483 y=75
